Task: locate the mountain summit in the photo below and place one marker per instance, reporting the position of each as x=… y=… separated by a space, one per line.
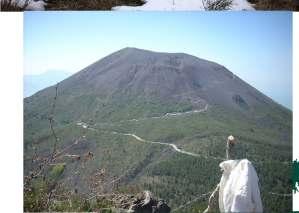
x=174 y=81
x=167 y=77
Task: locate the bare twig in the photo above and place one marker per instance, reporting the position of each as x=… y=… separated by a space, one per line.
x=51 y=120
x=49 y=198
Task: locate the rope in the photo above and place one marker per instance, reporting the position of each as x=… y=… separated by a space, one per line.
x=192 y=201
x=205 y=194
x=279 y=194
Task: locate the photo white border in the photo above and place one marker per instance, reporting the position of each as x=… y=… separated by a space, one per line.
x=295 y=98
x=11 y=109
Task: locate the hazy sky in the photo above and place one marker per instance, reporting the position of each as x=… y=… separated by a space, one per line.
x=256 y=46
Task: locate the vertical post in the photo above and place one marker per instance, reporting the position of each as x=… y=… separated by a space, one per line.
x=229 y=147
x=213 y=205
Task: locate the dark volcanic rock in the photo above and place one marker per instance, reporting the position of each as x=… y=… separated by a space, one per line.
x=148 y=204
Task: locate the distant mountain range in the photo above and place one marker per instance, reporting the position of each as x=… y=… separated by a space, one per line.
x=159 y=122
x=34 y=83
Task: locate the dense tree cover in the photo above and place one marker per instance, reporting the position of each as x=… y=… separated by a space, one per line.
x=174 y=177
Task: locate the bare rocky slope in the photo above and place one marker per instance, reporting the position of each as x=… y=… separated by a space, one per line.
x=176 y=81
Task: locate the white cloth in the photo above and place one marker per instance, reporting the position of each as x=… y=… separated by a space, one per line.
x=239 y=189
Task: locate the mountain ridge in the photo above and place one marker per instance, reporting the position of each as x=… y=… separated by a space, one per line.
x=175 y=77
x=35 y=83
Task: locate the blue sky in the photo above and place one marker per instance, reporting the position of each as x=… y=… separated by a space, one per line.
x=256 y=46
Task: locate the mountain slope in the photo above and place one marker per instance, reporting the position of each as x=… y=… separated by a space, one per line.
x=141 y=79
x=129 y=105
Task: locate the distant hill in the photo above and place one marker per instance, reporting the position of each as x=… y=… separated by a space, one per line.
x=159 y=121
x=34 y=83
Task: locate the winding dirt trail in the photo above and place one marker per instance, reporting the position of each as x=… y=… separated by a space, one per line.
x=169 y=115
x=174 y=147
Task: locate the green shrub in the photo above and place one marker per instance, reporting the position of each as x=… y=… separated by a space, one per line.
x=57 y=170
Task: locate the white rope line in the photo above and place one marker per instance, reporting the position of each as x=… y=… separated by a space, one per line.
x=192 y=201
x=173 y=146
x=167 y=115
x=203 y=195
x=279 y=194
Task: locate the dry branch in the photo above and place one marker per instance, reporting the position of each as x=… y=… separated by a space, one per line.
x=51 y=120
